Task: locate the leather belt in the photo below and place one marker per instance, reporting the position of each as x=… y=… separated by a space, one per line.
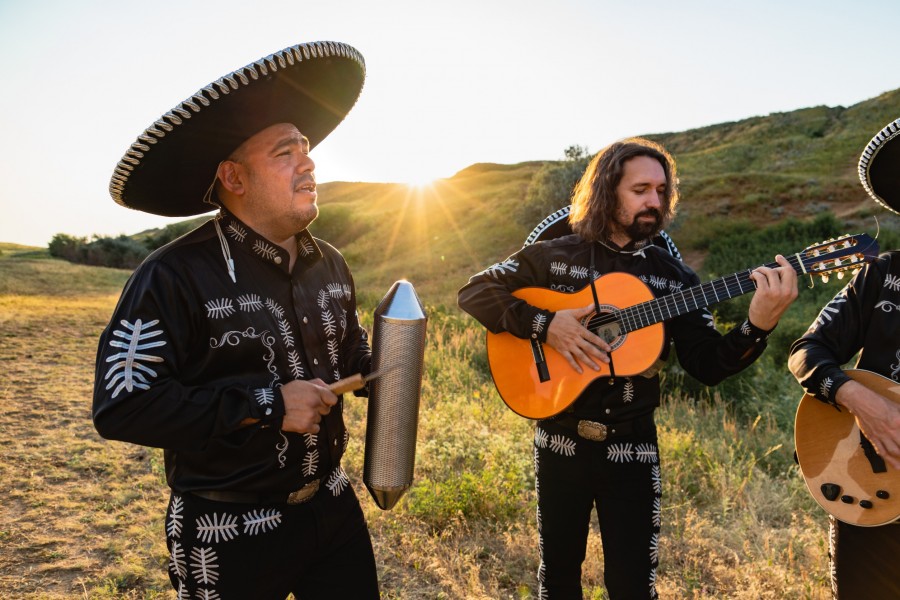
x=598 y=432
x=300 y=496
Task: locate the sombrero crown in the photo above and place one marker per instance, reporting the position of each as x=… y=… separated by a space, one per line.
x=879 y=167
x=168 y=170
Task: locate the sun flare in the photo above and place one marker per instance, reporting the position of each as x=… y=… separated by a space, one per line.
x=421 y=183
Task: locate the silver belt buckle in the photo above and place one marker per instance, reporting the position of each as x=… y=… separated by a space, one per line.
x=303 y=494
x=592 y=430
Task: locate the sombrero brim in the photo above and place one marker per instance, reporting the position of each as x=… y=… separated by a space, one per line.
x=168 y=170
x=879 y=167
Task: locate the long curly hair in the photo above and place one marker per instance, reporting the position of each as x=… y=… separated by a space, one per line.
x=594 y=199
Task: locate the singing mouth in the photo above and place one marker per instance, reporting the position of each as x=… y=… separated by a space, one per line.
x=308 y=186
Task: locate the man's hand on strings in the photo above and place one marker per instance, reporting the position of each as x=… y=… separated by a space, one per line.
x=575 y=342
x=776 y=289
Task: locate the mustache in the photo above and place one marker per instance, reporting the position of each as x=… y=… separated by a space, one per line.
x=306 y=178
x=650 y=212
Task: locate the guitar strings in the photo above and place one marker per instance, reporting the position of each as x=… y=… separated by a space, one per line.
x=645 y=313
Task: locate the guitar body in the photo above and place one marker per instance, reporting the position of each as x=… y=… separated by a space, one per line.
x=829 y=453
x=512 y=363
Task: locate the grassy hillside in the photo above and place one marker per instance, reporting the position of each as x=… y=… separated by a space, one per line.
x=757 y=171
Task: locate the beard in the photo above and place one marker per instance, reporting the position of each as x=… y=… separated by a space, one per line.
x=642 y=230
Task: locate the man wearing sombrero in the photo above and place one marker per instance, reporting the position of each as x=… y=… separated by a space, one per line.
x=863 y=318
x=222 y=342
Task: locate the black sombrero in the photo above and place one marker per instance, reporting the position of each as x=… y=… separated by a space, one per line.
x=879 y=167
x=170 y=167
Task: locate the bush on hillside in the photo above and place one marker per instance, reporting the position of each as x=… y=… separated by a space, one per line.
x=121 y=252
x=66 y=246
x=551 y=187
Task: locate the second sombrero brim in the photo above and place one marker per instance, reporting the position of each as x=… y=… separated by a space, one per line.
x=879 y=167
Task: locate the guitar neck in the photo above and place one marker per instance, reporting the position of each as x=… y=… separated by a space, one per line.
x=684 y=301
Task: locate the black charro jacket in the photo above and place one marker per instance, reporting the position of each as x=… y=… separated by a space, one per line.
x=189 y=353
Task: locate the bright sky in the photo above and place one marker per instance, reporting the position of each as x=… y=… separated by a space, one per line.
x=448 y=83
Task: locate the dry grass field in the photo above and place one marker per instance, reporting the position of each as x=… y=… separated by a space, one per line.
x=82 y=517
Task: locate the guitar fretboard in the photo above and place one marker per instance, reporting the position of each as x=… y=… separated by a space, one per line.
x=684 y=301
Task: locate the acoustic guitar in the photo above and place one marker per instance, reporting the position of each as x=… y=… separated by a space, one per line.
x=536 y=382
x=841 y=469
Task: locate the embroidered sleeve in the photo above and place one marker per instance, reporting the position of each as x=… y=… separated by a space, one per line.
x=488 y=295
x=140 y=389
x=837 y=334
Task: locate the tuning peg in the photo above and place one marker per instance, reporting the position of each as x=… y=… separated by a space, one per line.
x=825 y=278
x=840 y=275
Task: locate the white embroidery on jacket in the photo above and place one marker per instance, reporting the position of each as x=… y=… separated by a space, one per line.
x=236 y=231
x=296 y=365
x=305 y=246
x=888 y=307
x=265 y=250
x=830 y=309
x=337 y=482
x=537 y=325
x=282 y=450
x=892 y=282
x=578 y=272
x=249 y=302
x=500 y=268
x=558 y=268
x=328 y=323
x=127 y=371
x=310 y=463
x=219 y=309
x=285 y=328
x=628 y=391
x=233 y=338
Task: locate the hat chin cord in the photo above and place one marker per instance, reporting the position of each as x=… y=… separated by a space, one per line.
x=223 y=241
x=226 y=251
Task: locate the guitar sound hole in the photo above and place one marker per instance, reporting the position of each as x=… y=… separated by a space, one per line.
x=611 y=333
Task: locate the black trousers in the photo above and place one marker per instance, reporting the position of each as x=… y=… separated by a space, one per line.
x=224 y=550
x=865 y=561
x=620 y=476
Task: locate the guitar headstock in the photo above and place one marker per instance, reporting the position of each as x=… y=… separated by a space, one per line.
x=846 y=253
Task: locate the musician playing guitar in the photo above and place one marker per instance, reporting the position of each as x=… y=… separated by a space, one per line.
x=863 y=318
x=602 y=449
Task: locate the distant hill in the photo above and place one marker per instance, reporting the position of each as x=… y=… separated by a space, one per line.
x=759 y=170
